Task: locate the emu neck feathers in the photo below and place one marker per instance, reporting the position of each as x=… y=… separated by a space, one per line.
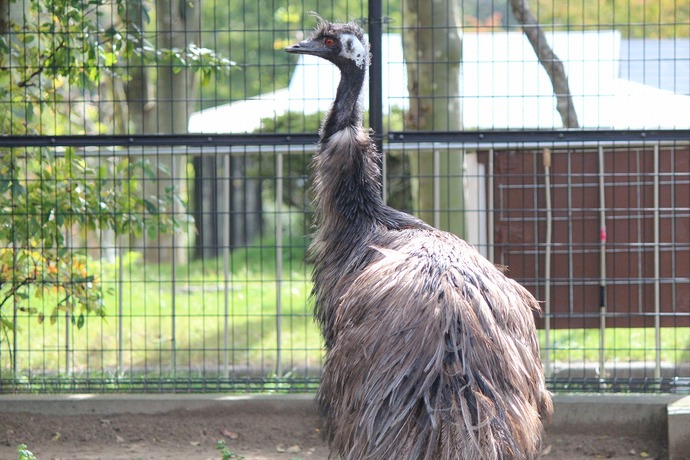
x=347 y=107
x=346 y=179
x=346 y=172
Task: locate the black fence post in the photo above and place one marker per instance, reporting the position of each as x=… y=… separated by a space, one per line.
x=375 y=72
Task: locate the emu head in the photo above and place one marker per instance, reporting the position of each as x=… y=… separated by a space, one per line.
x=342 y=44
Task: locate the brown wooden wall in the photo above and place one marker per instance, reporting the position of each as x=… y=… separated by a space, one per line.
x=520 y=232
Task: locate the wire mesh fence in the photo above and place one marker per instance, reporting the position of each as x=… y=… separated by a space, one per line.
x=594 y=224
x=154 y=183
x=224 y=315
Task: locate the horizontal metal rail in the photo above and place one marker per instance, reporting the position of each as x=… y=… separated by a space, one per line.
x=148 y=140
x=541 y=136
x=190 y=144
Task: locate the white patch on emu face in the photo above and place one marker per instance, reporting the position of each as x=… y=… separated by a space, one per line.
x=353 y=49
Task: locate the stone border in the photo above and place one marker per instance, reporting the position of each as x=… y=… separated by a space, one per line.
x=662 y=418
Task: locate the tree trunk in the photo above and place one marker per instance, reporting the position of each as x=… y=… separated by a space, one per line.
x=4 y=16
x=12 y=13
x=548 y=59
x=136 y=88
x=177 y=26
x=432 y=45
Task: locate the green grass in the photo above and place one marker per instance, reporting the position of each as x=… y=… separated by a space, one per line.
x=180 y=332
x=183 y=324
x=24 y=453
x=620 y=344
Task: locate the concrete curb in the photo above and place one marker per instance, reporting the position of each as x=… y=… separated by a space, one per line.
x=615 y=415
x=662 y=418
x=109 y=404
x=679 y=429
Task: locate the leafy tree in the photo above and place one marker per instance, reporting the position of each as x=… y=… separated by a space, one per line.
x=255 y=33
x=633 y=18
x=54 y=55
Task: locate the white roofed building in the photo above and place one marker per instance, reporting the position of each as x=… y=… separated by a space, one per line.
x=503 y=86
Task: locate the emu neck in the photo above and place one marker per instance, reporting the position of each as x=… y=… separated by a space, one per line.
x=347 y=108
x=347 y=181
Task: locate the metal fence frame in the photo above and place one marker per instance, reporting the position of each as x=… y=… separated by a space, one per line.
x=280 y=145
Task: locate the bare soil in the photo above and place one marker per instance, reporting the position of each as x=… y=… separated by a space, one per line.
x=193 y=434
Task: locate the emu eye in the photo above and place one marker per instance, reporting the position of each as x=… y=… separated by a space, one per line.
x=329 y=42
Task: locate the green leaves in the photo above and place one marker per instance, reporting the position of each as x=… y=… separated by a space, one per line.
x=204 y=61
x=25 y=453
x=55 y=68
x=288 y=15
x=44 y=198
x=69 y=43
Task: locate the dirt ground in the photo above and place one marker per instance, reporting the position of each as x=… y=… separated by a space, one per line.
x=190 y=435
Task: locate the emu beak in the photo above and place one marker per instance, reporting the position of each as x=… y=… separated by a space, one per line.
x=315 y=48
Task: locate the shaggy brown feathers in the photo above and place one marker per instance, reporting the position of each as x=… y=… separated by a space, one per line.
x=431 y=352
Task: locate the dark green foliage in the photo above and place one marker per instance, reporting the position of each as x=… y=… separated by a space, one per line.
x=53 y=66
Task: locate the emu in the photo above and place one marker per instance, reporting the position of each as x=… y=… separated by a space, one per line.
x=431 y=351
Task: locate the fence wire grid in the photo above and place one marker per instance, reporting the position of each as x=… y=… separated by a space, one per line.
x=154 y=174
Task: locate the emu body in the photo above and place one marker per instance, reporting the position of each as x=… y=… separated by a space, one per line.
x=431 y=351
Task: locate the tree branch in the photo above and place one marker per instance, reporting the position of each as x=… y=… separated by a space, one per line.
x=548 y=59
x=4 y=16
x=14 y=289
